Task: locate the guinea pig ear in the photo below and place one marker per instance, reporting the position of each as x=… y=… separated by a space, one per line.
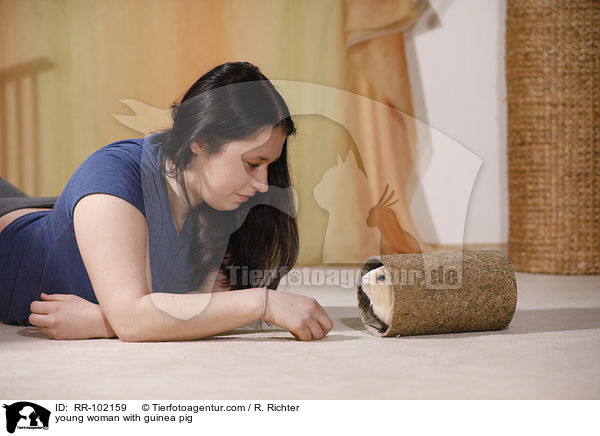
x=364 y=281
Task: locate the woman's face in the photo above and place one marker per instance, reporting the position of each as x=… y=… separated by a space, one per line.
x=228 y=178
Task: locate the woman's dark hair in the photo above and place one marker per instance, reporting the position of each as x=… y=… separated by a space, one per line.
x=231 y=102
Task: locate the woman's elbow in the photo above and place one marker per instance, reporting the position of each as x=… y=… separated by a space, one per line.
x=126 y=324
x=126 y=334
x=129 y=339
x=126 y=331
x=132 y=332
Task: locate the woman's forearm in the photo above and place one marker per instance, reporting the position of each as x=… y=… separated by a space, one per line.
x=161 y=316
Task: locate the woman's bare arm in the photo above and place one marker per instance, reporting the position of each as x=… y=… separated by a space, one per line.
x=164 y=316
x=112 y=238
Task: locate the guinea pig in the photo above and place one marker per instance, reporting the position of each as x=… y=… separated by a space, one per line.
x=377 y=285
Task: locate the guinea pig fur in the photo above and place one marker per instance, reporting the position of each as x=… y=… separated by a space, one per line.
x=377 y=285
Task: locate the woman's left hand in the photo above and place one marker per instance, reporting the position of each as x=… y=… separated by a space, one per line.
x=68 y=316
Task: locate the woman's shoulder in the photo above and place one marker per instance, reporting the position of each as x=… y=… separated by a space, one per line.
x=138 y=152
x=127 y=149
x=112 y=169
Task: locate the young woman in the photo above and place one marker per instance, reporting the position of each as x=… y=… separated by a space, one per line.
x=148 y=232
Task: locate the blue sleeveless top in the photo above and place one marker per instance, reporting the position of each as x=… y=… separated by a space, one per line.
x=39 y=252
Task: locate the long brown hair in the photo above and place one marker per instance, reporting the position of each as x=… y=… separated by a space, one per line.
x=231 y=102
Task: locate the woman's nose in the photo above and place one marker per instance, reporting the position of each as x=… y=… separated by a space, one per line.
x=260 y=182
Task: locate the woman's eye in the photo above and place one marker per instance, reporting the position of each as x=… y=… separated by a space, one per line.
x=253 y=165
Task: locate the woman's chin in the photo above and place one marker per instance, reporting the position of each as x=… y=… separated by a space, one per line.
x=233 y=205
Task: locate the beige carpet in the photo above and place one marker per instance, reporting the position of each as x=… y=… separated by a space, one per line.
x=551 y=350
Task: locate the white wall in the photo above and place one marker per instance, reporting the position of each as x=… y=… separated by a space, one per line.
x=457 y=78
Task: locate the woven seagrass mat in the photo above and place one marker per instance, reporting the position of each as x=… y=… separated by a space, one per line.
x=553 y=98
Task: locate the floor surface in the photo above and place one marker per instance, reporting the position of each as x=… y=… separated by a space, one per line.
x=551 y=350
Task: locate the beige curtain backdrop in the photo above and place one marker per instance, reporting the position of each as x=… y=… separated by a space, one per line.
x=77 y=75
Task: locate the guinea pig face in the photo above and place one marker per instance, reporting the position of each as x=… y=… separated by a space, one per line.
x=377 y=285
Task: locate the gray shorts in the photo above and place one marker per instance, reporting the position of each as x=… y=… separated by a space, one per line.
x=12 y=198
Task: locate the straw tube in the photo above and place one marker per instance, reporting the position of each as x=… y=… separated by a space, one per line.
x=437 y=292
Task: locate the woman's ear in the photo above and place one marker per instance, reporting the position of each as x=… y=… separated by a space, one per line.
x=196 y=148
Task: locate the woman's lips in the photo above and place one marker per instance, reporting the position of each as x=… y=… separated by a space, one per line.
x=243 y=197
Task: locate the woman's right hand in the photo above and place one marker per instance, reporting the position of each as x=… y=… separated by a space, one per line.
x=302 y=316
x=68 y=316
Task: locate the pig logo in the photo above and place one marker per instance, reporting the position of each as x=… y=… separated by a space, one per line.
x=24 y=414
